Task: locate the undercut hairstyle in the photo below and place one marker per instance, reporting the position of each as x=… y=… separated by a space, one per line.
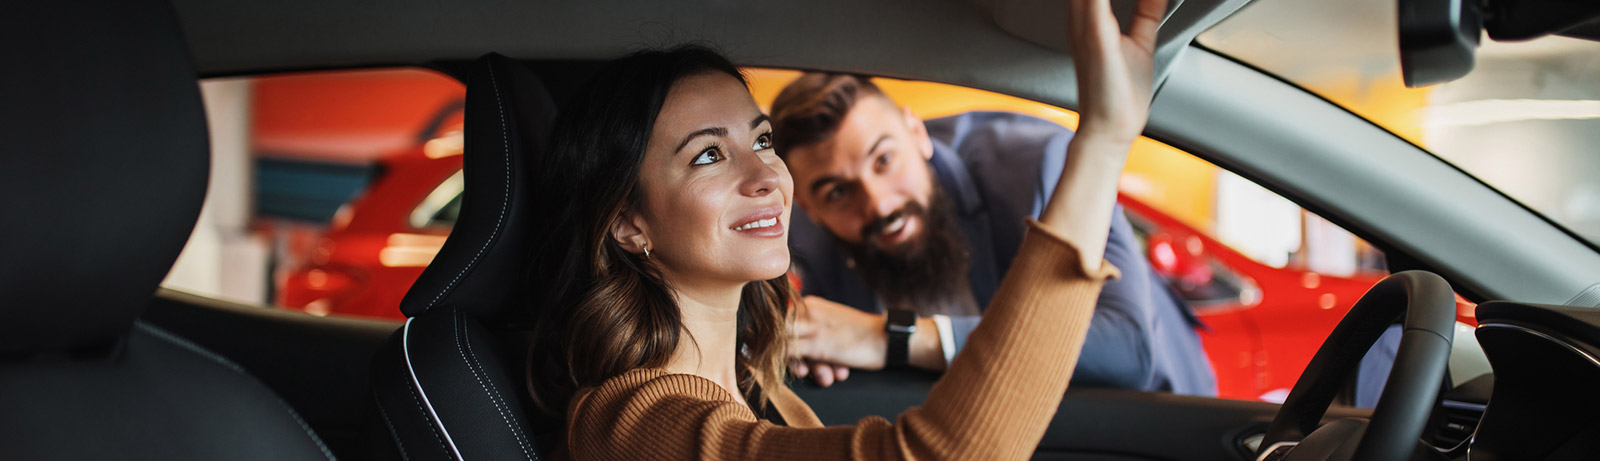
x=599 y=310
x=810 y=109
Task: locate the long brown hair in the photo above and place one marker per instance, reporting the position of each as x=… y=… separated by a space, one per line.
x=601 y=311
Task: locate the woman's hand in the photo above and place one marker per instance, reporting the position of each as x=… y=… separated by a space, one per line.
x=1115 y=70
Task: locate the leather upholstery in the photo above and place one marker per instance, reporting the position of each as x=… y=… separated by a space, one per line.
x=104 y=167
x=159 y=397
x=104 y=170
x=478 y=269
x=450 y=383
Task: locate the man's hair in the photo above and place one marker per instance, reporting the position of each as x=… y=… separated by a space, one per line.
x=810 y=108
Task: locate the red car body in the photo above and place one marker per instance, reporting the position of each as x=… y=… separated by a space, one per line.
x=372 y=252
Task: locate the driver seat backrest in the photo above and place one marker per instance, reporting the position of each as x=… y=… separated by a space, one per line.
x=104 y=171
x=449 y=383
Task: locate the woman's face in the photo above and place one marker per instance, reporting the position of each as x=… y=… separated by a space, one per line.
x=715 y=197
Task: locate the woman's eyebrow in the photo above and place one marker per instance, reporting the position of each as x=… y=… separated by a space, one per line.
x=713 y=131
x=760 y=118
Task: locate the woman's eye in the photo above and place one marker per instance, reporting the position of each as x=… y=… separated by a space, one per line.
x=707 y=157
x=882 y=161
x=763 y=142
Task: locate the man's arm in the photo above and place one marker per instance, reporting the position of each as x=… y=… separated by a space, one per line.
x=836 y=334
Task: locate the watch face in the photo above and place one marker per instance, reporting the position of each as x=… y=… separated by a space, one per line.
x=901 y=321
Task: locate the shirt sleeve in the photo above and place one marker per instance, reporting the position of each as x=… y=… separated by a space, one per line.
x=947 y=337
x=994 y=403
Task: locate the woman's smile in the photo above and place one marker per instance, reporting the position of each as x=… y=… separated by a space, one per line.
x=765 y=223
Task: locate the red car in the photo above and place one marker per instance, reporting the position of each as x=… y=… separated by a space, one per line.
x=377 y=245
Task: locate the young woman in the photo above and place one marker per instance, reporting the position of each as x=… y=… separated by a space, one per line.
x=664 y=263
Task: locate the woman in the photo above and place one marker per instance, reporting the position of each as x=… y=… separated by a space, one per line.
x=664 y=266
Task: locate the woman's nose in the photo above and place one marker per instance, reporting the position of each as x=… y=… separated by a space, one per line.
x=761 y=178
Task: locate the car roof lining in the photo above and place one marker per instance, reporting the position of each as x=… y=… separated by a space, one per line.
x=998 y=45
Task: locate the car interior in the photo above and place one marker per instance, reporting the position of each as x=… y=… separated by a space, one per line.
x=108 y=154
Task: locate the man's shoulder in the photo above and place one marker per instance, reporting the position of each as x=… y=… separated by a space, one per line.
x=955 y=129
x=1003 y=141
x=985 y=117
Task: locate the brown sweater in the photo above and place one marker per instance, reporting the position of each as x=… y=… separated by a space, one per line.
x=993 y=403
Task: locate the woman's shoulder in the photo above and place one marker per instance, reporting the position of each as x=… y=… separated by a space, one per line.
x=643 y=408
x=654 y=383
x=643 y=393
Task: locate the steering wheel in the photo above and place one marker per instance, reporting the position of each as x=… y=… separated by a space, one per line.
x=1428 y=306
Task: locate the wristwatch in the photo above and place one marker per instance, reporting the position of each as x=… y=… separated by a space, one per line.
x=900 y=325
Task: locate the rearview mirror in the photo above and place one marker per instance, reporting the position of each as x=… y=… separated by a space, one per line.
x=1438 y=37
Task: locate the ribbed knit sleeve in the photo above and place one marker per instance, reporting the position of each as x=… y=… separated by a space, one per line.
x=994 y=401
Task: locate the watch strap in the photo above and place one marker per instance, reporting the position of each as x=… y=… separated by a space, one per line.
x=900 y=325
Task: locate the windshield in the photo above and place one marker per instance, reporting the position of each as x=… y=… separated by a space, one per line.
x=1526 y=120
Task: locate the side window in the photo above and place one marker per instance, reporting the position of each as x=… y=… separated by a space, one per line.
x=1267 y=279
x=315 y=178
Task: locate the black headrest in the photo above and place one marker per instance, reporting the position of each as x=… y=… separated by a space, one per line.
x=104 y=167
x=479 y=269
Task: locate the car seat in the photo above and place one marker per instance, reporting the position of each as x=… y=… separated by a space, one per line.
x=105 y=168
x=449 y=384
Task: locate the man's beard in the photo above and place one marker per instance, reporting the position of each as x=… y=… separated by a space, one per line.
x=927 y=273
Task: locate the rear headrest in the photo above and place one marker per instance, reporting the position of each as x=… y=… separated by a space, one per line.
x=508 y=119
x=103 y=171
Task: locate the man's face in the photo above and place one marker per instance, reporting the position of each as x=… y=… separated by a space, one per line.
x=869 y=184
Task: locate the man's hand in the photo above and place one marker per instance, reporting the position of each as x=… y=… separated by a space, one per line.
x=836 y=336
x=822 y=373
x=827 y=339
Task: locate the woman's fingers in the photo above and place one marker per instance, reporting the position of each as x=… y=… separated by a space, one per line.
x=1146 y=20
x=1093 y=28
x=1114 y=70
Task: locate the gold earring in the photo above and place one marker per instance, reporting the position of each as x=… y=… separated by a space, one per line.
x=647 y=250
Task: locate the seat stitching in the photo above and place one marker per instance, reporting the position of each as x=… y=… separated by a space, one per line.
x=505 y=201
x=393 y=433
x=192 y=347
x=516 y=425
x=429 y=420
x=439 y=430
x=516 y=432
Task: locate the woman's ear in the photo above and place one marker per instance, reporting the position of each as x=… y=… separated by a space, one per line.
x=629 y=232
x=919 y=132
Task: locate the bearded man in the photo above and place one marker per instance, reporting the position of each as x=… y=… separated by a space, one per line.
x=904 y=228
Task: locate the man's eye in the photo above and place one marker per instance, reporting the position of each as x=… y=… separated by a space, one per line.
x=882 y=161
x=763 y=142
x=833 y=194
x=707 y=157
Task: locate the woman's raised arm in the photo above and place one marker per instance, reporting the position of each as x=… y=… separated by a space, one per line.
x=1115 y=72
